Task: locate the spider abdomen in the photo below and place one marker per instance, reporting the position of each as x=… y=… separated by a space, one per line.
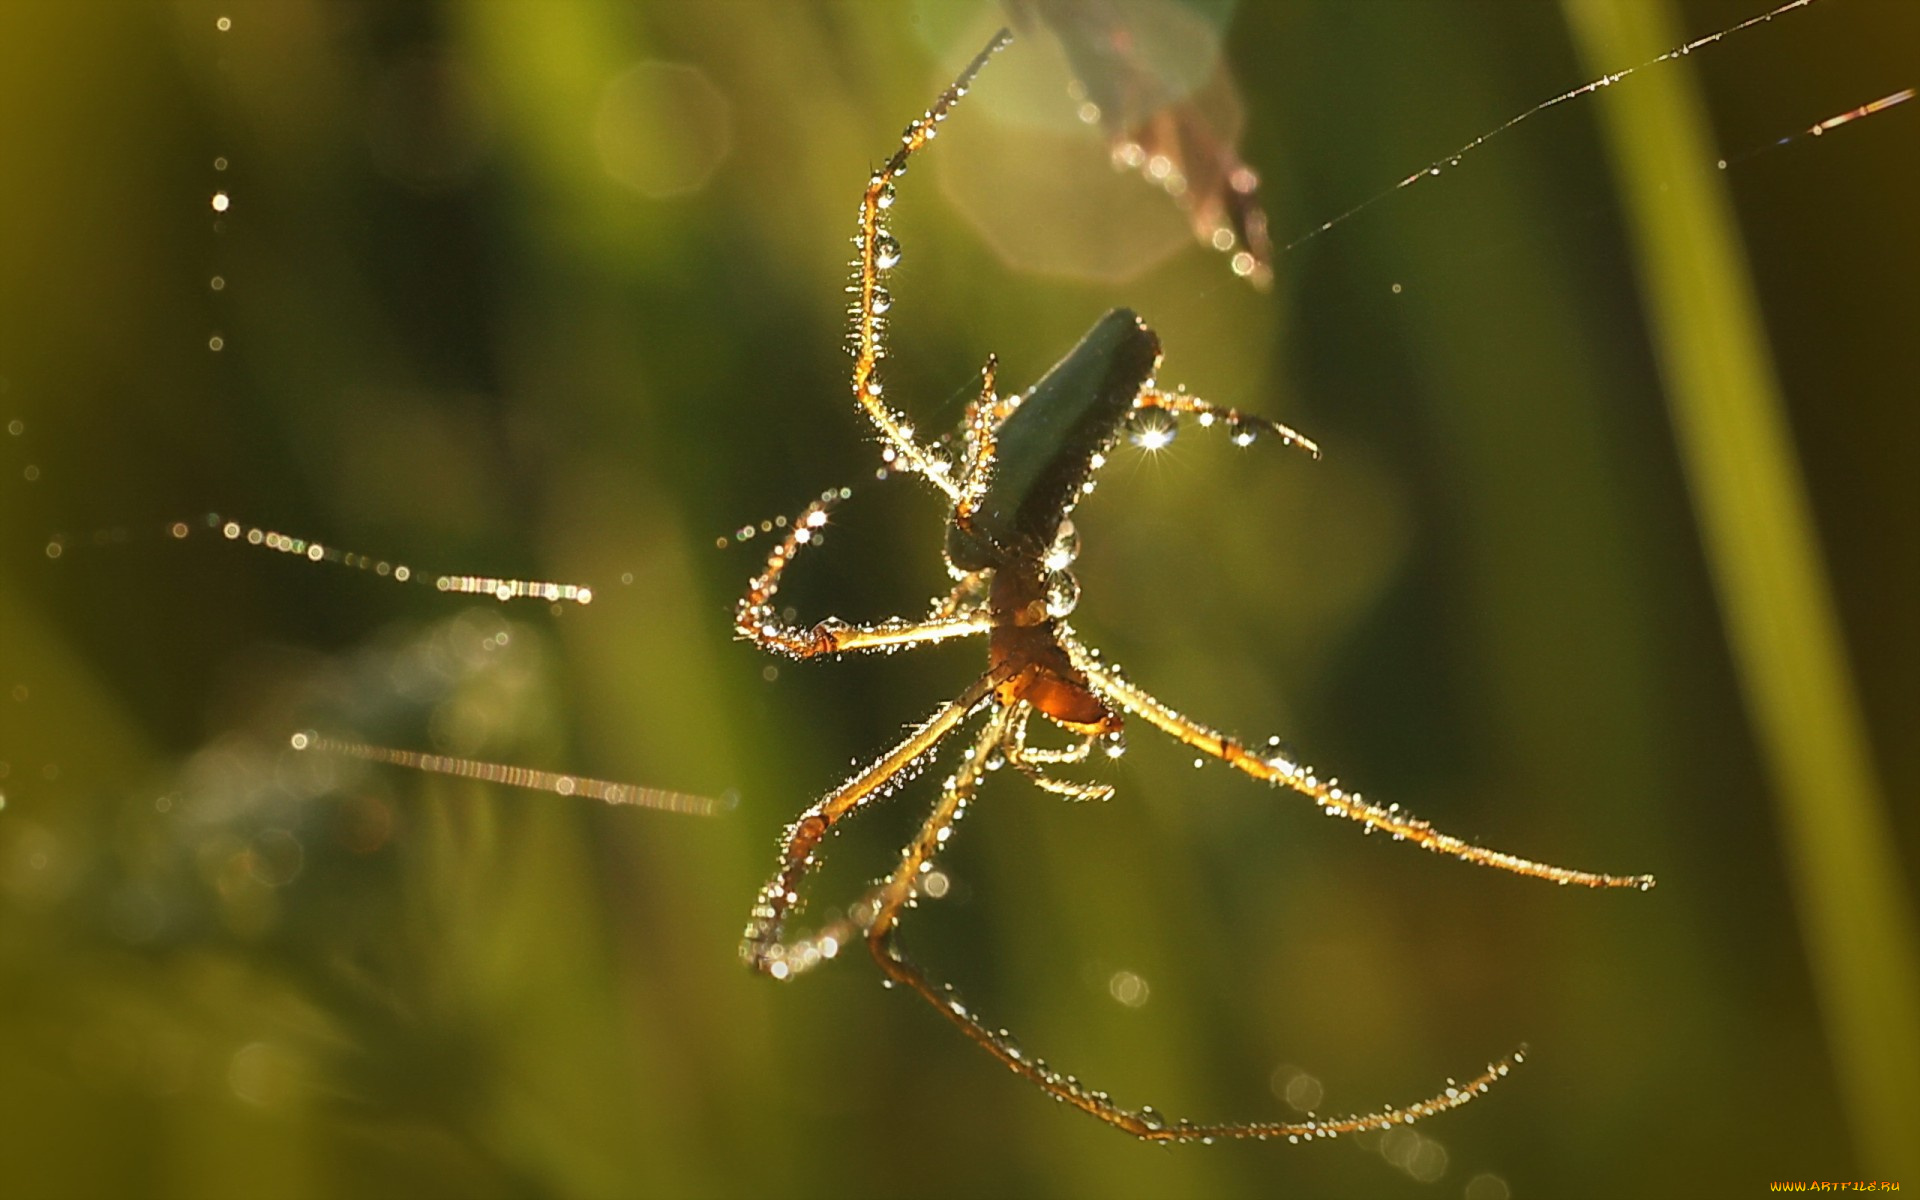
x=1045 y=450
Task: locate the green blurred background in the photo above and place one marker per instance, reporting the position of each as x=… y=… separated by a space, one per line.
x=554 y=289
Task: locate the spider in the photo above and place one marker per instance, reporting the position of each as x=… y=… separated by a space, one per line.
x=1009 y=542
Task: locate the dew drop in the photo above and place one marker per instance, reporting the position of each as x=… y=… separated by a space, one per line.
x=1063 y=593
x=886 y=251
x=1065 y=548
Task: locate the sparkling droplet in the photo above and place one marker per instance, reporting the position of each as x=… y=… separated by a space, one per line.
x=1063 y=593
x=1065 y=548
x=886 y=251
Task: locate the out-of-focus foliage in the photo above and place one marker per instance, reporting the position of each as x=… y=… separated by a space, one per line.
x=554 y=290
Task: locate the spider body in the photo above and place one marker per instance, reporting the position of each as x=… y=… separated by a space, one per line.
x=1008 y=543
x=1044 y=453
x=1024 y=648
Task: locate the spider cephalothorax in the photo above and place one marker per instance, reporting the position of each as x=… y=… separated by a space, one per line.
x=1009 y=545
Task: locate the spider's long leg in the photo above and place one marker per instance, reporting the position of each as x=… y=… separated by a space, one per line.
x=1243 y=428
x=756 y=619
x=764 y=946
x=1108 y=682
x=876 y=253
x=890 y=899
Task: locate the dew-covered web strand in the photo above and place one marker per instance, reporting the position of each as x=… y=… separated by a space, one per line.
x=500 y=588
x=1819 y=128
x=1440 y=165
x=1865 y=110
x=220 y=203
x=555 y=782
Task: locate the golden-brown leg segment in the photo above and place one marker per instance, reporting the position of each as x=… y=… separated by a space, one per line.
x=1243 y=428
x=764 y=946
x=1017 y=743
x=1113 y=687
x=983 y=417
x=755 y=617
x=890 y=899
x=877 y=252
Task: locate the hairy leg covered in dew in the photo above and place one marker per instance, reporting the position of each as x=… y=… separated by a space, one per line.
x=1113 y=687
x=756 y=619
x=890 y=899
x=765 y=945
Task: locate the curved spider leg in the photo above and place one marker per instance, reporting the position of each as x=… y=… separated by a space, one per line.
x=764 y=946
x=1083 y=793
x=755 y=618
x=1243 y=428
x=888 y=900
x=1112 y=686
x=1028 y=761
x=877 y=252
x=1066 y=755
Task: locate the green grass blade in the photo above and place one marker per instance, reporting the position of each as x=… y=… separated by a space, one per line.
x=1757 y=530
